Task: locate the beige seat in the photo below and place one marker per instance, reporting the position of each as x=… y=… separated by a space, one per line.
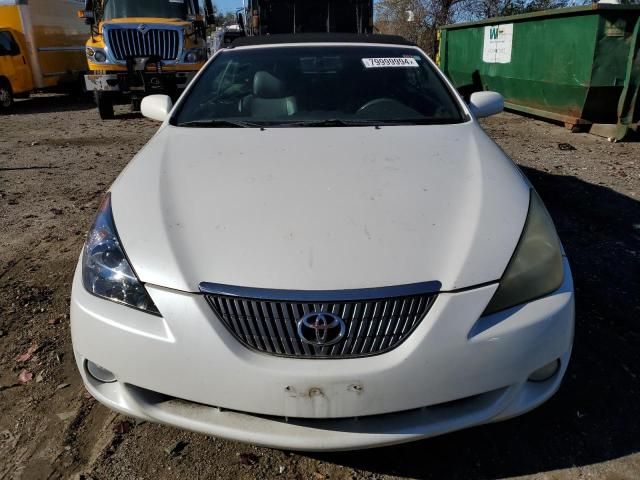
x=269 y=98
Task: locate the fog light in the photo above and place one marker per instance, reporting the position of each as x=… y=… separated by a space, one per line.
x=546 y=372
x=101 y=374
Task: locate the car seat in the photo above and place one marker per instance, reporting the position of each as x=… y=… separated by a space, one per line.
x=269 y=98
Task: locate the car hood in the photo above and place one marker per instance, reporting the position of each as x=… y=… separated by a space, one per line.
x=320 y=208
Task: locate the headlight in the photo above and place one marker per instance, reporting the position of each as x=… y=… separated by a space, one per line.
x=96 y=55
x=106 y=272
x=100 y=56
x=536 y=268
x=195 y=55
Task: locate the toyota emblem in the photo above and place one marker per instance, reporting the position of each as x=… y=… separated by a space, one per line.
x=321 y=329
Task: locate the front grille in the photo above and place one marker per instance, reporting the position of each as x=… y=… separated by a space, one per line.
x=371 y=326
x=131 y=42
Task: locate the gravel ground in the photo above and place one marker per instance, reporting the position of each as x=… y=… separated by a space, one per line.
x=56 y=161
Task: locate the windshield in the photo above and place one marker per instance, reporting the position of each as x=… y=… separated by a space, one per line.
x=145 y=8
x=318 y=86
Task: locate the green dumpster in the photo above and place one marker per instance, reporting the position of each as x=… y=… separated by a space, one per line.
x=579 y=66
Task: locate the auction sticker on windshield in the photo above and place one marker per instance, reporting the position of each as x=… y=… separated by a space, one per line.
x=389 y=62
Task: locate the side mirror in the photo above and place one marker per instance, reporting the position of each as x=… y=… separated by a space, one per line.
x=240 y=20
x=485 y=104
x=87 y=16
x=156 y=107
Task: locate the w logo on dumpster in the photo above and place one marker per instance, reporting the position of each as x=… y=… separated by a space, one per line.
x=498 y=40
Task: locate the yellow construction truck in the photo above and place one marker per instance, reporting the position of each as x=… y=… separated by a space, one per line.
x=142 y=47
x=41 y=47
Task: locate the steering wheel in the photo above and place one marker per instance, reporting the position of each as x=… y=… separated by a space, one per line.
x=386 y=106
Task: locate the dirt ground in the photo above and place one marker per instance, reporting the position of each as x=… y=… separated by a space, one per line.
x=56 y=161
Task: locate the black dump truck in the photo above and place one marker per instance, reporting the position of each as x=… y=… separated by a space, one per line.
x=265 y=17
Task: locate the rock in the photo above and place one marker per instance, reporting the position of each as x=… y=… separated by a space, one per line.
x=176 y=449
x=82 y=476
x=40 y=377
x=26 y=356
x=65 y=415
x=122 y=427
x=566 y=147
x=248 y=458
x=54 y=320
x=25 y=376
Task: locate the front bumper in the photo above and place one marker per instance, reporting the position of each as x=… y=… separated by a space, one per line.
x=139 y=82
x=453 y=372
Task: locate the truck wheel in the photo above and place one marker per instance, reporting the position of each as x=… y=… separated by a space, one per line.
x=6 y=96
x=105 y=105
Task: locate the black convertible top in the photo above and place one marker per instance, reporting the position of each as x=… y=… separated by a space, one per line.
x=279 y=39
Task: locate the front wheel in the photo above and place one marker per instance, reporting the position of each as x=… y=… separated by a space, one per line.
x=6 y=97
x=105 y=105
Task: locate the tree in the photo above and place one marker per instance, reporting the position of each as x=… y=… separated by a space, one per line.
x=228 y=18
x=502 y=8
x=419 y=20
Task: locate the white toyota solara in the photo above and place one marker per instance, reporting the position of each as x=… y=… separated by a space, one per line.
x=320 y=249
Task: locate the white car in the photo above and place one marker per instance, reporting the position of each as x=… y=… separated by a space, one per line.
x=321 y=249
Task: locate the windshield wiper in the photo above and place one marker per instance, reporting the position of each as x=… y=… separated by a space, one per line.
x=337 y=122
x=331 y=122
x=219 y=124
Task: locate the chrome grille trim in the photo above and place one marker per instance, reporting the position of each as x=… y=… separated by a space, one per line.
x=320 y=295
x=125 y=41
x=377 y=320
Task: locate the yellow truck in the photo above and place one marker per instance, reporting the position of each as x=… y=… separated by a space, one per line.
x=41 y=47
x=142 y=47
